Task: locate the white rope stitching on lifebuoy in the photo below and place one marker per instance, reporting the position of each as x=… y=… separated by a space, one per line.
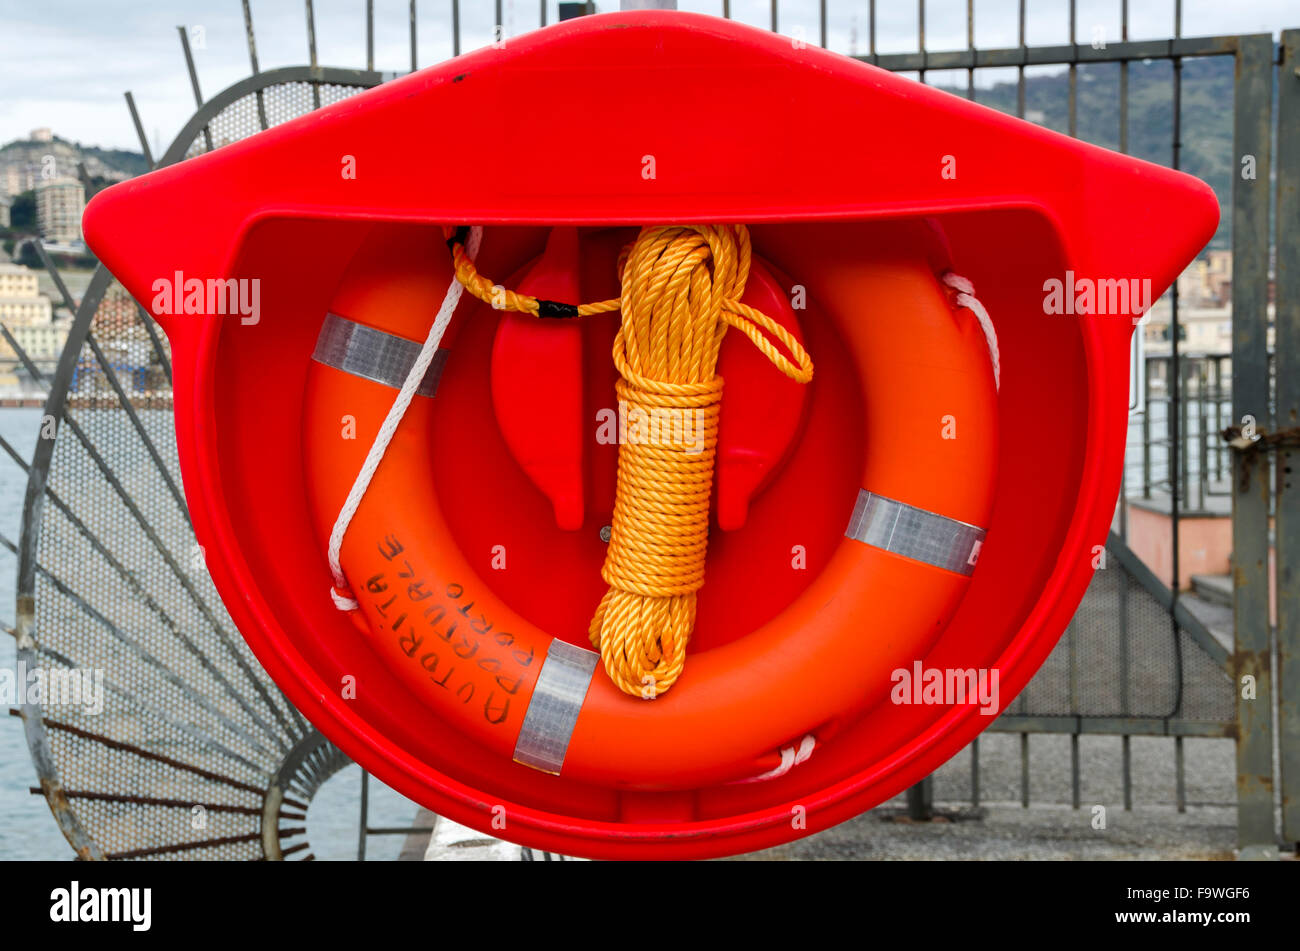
x=340 y=592
x=790 y=758
x=966 y=298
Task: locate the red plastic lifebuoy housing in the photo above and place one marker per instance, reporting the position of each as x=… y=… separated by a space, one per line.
x=852 y=558
x=826 y=213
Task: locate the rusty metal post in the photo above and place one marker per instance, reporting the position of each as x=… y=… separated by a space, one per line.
x=1287 y=298
x=1252 y=665
x=920 y=800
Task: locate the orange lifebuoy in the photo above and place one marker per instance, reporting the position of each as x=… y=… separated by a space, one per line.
x=881 y=600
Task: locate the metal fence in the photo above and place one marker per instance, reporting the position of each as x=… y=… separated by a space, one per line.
x=1202 y=457
x=1210 y=389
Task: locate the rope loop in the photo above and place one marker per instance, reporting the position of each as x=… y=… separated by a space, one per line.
x=681 y=291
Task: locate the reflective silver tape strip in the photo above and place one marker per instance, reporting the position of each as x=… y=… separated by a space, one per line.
x=915 y=533
x=373 y=354
x=552 y=712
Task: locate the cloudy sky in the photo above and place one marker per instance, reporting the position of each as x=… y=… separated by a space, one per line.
x=66 y=63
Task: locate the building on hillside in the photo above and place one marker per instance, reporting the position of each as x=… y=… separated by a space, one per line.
x=1201 y=330
x=5 y=205
x=26 y=163
x=59 y=204
x=28 y=315
x=41 y=343
x=21 y=300
x=1207 y=281
x=1219 y=276
x=18 y=176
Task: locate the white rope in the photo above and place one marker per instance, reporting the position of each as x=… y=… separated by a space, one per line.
x=790 y=758
x=966 y=298
x=340 y=591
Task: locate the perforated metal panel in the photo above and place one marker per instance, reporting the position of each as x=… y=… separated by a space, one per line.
x=281 y=102
x=193 y=752
x=1119 y=658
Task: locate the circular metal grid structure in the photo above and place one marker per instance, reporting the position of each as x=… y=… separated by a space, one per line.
x=161 y=736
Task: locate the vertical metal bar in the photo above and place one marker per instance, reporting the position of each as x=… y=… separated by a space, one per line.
x=1146 y=434
x=774 y=19
x=500 y=27
x=1203 y=434
x=413 y=57
x=363 y=822
x=1171 y=425
x=1177 y=450
x=1287 y=348
x=1220 y=393
x=1123 y=510
x=726 y=9
x=1180 y=775
x=920 y=35
x=1072 y=665
x=311 y=53
x=194 y=80
x=1020 y=76
x=252 y=60
x=1075 y=798
x=1123 y=83
x=1126 y=751
x=370 y=35
x=970 y=45
x=1252 y=106
x=1125 y=644
x=821 y=14
x=139 y=129
x=248 y=33
x=1074 y=72
x=455 y=27
x=311 y=35
x=1125 y=647
x=1184 y=451
x=920 y=800
x=541 y=18
x=1024 y=770
x=872 y=34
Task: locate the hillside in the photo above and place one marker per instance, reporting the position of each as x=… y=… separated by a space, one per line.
x=27 y=158
x=1206 y=115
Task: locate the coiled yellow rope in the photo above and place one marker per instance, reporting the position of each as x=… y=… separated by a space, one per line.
x=681 y=290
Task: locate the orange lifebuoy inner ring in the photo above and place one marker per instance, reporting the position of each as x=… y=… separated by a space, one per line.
x=882 y=597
